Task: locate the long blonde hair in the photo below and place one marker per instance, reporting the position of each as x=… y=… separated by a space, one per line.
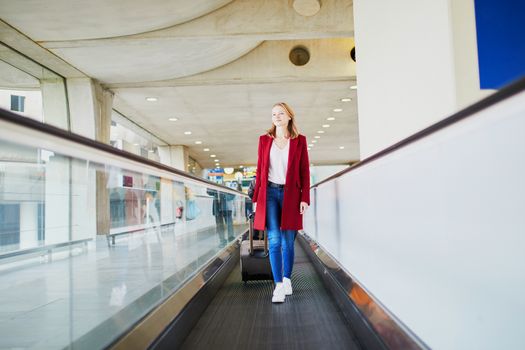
x=292 y=128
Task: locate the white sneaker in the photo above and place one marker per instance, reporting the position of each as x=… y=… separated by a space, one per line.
x=278 y=294
x=287 y=283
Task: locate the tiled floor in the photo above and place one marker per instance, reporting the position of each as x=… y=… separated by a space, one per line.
x=50 y=305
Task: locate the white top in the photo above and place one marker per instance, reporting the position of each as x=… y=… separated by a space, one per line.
x=278 y=163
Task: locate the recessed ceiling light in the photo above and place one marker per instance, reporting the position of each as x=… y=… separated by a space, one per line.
x=240 y=166
x=213 y=155
x=187 y=132
x=136 y=144
x=341 y=147
x=173 y=119
x=310 y=145
x=314 y=141
x=317 y=136
x=216 y=160
x=320 y=132
x=206 y=150
x=337 y=110
x=346 y=99
x=330 y=118
x=151 y=99
x=353 y=87
x=198 y=142
x=326 y=125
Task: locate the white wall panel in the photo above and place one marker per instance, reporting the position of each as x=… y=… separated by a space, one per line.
x=436 y=230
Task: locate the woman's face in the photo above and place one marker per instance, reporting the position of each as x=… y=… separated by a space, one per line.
x=279 y=116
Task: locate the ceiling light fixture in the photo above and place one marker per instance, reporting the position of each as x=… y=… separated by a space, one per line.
x=341 y=147
x=330 y=118
x=173 y=119
x=317 y=136
x=187 y=132
x=314 y=141
x=337 y=110
x=206 y=150
x=346 y=99
x=353 y=87
x=216 y=160
x=198 y=142
x=326 y=125
x=320 y=132
x=213 y=155
x=151 y=99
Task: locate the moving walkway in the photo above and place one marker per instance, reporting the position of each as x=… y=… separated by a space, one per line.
x=418 y=246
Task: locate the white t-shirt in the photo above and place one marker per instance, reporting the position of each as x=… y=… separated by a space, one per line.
x=278 y=164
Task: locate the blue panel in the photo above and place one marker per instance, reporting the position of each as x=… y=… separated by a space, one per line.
x=500 y=29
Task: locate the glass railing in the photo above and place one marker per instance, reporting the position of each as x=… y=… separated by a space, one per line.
x=90 y=237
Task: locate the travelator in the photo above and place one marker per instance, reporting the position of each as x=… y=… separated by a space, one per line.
x=418 y=246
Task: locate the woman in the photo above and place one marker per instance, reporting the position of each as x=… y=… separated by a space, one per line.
x=282 y=193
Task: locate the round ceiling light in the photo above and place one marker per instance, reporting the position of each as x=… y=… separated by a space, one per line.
x=307 y=8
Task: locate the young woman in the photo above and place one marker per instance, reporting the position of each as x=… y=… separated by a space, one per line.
x=282 y=193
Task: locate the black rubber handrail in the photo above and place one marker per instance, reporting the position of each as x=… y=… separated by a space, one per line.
x=70 y=136
x=506 y=92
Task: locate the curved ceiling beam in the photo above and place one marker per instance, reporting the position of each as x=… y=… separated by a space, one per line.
x=153 y=60
x=60 y=20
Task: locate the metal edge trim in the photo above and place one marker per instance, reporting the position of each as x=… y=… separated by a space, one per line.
x=390 y=330
x=147 y=330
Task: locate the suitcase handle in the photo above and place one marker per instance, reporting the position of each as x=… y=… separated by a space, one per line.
x=251 y=217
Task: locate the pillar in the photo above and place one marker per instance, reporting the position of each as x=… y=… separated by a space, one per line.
x=416 y=64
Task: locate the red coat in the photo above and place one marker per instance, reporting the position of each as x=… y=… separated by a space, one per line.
x=296 y=189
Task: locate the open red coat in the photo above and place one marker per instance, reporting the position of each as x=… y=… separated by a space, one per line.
x=296 y=189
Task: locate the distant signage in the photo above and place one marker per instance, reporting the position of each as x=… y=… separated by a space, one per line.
x=216 y=172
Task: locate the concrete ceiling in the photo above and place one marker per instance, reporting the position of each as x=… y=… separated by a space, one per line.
x=218 y=66
x=52 y=20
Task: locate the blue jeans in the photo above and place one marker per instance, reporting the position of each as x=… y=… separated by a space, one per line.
x=281 y=242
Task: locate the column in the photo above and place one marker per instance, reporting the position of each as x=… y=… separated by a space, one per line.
x=416 y=64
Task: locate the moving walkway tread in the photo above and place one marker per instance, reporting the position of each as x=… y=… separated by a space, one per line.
x=241 y=316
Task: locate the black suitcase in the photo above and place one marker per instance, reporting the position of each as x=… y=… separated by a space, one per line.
x=255 y=263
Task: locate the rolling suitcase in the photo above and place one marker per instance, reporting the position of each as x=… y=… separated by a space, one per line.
x=255 y=262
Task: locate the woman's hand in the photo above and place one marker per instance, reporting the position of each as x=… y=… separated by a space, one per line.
x=302 y=207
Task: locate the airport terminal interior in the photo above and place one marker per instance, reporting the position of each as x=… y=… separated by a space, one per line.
x=129 y=146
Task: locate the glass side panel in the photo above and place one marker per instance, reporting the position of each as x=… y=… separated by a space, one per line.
x=87 y=248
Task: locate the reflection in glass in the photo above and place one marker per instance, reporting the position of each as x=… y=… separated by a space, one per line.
x=81 y=283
